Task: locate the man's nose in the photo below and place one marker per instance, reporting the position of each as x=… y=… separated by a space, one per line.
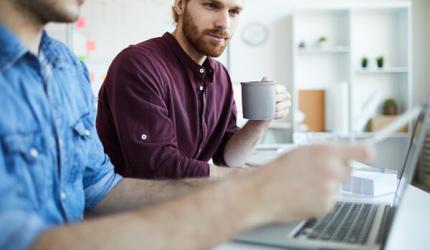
x=222 y=21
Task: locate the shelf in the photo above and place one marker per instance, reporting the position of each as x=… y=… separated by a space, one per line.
x=361 y=30
x=324 y=51
x=394 y=70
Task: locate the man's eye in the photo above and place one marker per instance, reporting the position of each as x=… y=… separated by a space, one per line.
x=234 y=13
x=211 y=5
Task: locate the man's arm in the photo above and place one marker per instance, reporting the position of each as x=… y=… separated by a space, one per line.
x=135 y=193
x=243 y=142
x=213 y=214
x=194 y=221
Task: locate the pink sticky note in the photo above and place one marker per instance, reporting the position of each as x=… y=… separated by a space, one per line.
x=81 y=23
x=92 y=77
x=91 y=45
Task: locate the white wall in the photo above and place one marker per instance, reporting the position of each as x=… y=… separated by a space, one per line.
x=115 y=24
x=273 y=58
x=421 y=50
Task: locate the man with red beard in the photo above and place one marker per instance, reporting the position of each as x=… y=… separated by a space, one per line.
x=166 y=107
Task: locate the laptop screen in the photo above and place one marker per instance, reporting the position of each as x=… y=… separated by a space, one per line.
x=414 y=152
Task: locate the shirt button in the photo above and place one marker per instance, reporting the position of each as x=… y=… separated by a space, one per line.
x=61 y=142
x=87 y=132
x=144 y=137
x=34 y=153
x=63 y=196
x=201 y=88
x=202 y=71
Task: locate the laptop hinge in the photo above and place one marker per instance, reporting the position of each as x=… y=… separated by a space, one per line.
x=386 y=222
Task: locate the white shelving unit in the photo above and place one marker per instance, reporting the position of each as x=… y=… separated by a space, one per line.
x=353 y=31
x=386 y=70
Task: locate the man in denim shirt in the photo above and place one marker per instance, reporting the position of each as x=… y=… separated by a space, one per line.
x=53 y=169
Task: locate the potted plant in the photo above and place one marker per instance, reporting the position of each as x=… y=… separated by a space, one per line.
x=302 y=45
x=364 y=62
x=322 y=41
x=390 y=107
x=380 y=61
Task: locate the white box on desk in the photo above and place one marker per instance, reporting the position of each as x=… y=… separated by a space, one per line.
x=370 y=183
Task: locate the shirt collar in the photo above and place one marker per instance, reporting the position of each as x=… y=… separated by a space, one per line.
x=50 y=51
x=11 y=48
x=204 y=71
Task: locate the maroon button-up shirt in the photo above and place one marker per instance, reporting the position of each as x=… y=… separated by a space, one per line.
x=161 y=115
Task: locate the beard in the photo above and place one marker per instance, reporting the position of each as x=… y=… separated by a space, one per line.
x=197 y=39
x=45 y=11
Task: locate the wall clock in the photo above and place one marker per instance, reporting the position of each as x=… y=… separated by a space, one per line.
x=255 y=34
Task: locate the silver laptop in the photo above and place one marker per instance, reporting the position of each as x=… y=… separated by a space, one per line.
x=351 y=225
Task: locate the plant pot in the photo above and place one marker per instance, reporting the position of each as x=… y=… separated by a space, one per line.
x=380 y=63
x=364 y=64
x=390 y=110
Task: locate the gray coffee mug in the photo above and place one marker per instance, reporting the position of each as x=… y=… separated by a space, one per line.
x=258 y=100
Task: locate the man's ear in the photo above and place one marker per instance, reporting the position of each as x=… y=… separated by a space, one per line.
x=179 y=7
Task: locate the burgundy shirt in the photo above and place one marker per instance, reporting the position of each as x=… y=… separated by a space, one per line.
x=161 y=115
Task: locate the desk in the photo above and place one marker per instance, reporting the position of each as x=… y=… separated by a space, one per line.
x=410 y=229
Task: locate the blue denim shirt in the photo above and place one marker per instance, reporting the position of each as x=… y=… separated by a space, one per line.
x=52 y=164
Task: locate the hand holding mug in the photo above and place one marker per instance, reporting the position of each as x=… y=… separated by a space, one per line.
x=265 y=100
x=282 y=100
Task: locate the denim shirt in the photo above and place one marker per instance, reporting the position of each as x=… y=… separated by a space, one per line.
x=52 y=164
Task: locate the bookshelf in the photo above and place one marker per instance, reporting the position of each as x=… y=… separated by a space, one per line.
x=350 y=32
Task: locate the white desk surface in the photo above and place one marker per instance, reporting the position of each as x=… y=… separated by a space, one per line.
x=410 y=229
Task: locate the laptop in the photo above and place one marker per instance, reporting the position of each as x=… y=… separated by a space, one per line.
x=350 y=225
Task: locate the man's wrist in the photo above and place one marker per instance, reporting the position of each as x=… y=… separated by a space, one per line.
x=259 y=125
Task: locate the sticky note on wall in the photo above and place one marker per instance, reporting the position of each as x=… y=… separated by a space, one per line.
x=81 y=23
x=91 y=45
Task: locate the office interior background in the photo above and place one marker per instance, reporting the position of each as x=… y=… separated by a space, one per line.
x=342 y=60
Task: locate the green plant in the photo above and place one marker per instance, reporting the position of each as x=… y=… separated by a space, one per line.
x=380 y=61
x=302 y=45
x=364 y=62
x=390 y=107
x=322 y=39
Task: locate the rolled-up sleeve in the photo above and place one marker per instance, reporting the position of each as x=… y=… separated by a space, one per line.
x=99 y=180
x=99 y=176
x=146 y=133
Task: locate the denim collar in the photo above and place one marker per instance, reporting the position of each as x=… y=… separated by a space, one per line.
x=12 y=49
x=52 y=51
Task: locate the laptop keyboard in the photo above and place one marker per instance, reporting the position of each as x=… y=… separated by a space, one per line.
x=348 y=222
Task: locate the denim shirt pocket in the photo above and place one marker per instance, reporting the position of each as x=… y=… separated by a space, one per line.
x=27 y=159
